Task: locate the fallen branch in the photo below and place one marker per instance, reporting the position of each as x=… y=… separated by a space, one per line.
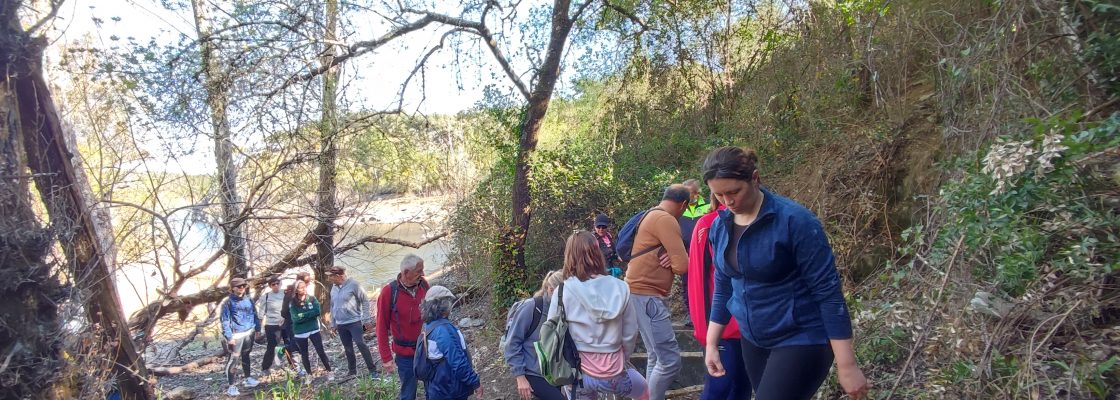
x=198 y=329
x=182 y=305
x=172 y=370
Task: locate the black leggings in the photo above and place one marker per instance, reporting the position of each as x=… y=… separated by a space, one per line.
x=274 y=334
x=305 y=356
x=786 y=373
x=542 y=390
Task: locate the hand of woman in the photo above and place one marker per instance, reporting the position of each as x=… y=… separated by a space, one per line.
x=853 y=382
x=523 y=388
x=712 y=361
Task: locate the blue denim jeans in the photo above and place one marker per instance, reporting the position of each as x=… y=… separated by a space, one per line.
x=734 y=384
x=408 y=377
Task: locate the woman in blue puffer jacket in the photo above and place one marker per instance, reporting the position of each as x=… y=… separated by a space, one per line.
x=455 y=378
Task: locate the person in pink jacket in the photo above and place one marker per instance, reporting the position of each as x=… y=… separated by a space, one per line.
x=734 y=384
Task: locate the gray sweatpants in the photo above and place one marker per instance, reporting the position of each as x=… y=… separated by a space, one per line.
x=240 y=350
x=660 y=342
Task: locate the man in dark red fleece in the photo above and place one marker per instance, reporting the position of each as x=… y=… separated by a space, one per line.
x=398 y=316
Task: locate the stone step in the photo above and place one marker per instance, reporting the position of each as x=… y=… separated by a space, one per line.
x=685 y=339
x=691 y=392
x=692 y=368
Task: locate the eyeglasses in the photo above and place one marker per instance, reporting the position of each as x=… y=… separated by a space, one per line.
x=601 y=227
x=241 y=286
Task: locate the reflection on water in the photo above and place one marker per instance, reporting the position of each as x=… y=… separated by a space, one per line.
x=376 y=264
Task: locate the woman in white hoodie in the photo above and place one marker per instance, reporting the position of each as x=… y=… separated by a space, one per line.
x=601 y=321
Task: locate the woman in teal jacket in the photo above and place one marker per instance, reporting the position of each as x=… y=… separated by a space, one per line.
x=305 y=327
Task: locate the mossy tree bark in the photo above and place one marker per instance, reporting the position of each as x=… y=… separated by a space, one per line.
x=30 y=117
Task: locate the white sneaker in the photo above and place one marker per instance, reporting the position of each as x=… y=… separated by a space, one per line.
x=251 y=382
x=233 y=392
x=307 y=380
x=330 y=376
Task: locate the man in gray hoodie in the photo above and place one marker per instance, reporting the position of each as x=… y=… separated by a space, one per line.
x=350 y=317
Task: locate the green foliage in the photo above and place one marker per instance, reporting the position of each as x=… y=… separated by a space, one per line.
x=290 y=389
x=854 y=11
x=1042 y=218
x=1103 y=40
x=365 y=388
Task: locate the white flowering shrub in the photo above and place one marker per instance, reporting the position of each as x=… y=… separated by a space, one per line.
x=1007 y=160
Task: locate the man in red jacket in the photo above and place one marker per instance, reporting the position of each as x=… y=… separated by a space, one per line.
x=398 y=316
x=734 y=384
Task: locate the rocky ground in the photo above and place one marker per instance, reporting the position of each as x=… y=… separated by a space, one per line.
x=483 y=332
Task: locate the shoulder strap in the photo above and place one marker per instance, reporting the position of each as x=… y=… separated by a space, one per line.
x=538 y=306
x=708 y=266
x=560 y=301
x=395 y=286
x=636 y=228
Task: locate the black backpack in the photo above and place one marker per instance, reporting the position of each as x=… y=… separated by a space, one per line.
x=625 y=244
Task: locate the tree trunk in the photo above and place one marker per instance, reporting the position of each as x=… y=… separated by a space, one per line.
x=513 y=248
x=65 y=193
x=328 y=133
x=30 y=334
x=217 y=98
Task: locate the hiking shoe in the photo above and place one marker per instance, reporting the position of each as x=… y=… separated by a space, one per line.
x=233 y=392
x=251 y=382
x=307 y=379
x=301 y=373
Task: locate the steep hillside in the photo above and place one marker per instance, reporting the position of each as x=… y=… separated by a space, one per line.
x=961 y=154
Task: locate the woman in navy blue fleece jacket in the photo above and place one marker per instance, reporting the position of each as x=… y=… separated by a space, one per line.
x=776 y=275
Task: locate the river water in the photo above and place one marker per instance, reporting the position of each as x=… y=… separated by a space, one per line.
x=372 y=265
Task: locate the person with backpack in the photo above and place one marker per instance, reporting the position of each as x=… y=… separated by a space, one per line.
x=606 y=245
x=734 y=384
x=442 y=360
x=240 y=324
x=601 y=321
x=305 y=328
x=522 y=331
x=656 y=241
x=775 y=273
x=398 y=317
x=350 y=318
